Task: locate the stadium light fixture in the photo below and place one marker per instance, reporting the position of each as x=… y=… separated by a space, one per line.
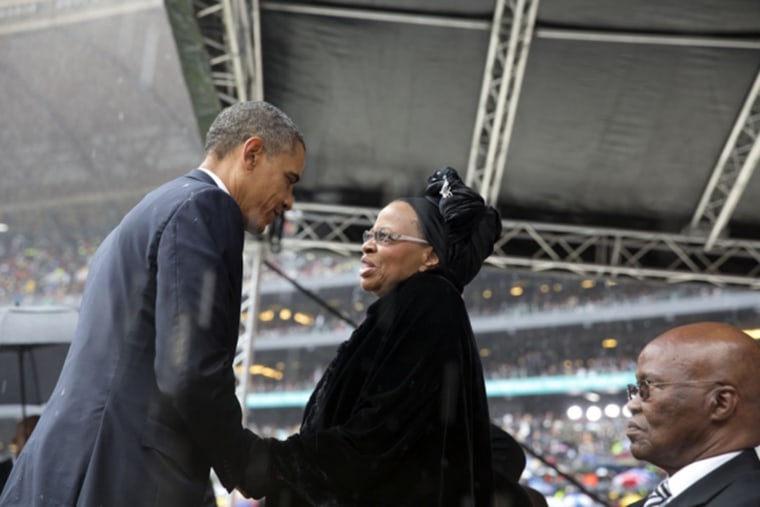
x=593 y=413
x=574 y=413
x=612 y=410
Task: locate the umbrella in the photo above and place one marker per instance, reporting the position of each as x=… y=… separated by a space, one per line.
x=634 y=478
x=34 y=341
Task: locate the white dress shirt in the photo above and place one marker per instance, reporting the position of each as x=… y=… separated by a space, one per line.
x=217 y=180
x=693 y=472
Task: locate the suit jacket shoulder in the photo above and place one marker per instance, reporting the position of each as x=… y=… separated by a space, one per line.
x=735 y=483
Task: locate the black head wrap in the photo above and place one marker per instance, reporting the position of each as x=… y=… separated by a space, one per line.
x=458 y=224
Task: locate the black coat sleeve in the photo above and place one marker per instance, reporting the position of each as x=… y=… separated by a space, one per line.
x=417 y=342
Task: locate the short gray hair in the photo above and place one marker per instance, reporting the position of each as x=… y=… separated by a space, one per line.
x=243 y=120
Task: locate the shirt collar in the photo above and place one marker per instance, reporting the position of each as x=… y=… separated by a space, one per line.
x=217 y=180
x=692 y=472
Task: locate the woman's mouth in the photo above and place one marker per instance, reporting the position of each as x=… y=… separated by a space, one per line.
x=367 y=269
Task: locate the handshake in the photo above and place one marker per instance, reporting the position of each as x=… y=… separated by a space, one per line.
x=255 y=480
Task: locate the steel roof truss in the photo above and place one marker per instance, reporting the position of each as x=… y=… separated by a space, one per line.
x=231 y=37
x=732 y=172
x=540 y=246
x=502 y=79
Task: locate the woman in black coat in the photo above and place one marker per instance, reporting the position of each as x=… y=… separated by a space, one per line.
x=400 y=417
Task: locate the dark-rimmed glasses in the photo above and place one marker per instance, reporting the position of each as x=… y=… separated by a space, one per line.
x=642 y=389
x=386 y=237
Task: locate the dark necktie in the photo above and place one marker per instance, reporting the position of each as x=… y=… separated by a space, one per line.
x=659 y=496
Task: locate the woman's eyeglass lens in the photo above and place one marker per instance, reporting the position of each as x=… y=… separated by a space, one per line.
x=385 y=237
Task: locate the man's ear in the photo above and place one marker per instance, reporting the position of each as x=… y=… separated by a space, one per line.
x=723 y=402
x=253 y=149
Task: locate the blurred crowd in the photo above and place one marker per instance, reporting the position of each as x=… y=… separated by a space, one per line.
x=44 y=270
x=52 y=268
x=594 y=454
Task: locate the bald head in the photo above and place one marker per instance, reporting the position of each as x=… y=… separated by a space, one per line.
x=701 y=395
x=714 y=351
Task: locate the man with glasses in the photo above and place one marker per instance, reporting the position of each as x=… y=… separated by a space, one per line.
x=695 y=413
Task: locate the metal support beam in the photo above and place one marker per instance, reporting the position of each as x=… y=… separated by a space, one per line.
x=254 y=52
x=733 y=170
x=502 y=80
x=586 y=251
x=383 y=16
x=255 y=253
x=231 y=36
x=665 y=39
x=469 y=23
x=590 y=251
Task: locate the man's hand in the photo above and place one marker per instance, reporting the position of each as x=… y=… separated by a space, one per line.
x=256 y=481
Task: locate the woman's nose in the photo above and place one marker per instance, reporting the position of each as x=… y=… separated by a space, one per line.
x=368 y=245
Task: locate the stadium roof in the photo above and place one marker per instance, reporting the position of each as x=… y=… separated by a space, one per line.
x=615 y=137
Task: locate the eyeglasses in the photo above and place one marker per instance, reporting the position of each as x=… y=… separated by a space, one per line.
x=642 y=389
x=386 y=237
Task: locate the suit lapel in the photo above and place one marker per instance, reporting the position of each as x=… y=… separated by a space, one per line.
x=705 y=489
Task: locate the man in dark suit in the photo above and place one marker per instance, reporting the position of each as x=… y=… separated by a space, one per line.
x=145 y=404
x=696 y=414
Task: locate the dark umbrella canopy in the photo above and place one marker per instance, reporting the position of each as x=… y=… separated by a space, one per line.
x=34 y=341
